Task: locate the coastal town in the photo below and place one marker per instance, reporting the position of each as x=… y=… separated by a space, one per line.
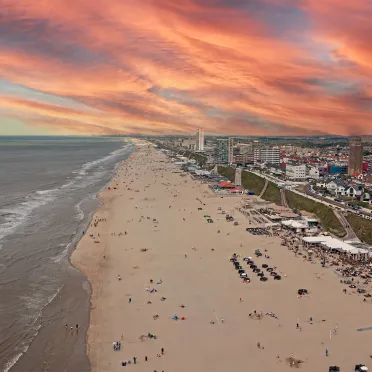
x=192 y=270
x=332 y=172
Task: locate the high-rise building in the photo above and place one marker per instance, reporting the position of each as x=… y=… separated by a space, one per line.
x=222 y=151
x=200 y=140
x=230 y=156
x=245 y=148
x=355 y=156
x=268 y=154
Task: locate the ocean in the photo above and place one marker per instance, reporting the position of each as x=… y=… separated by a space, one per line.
x=48 y=188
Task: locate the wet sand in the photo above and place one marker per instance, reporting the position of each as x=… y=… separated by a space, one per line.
x=55 y=347
x=205 y=282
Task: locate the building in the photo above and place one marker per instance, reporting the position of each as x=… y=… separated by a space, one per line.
x=268 y=154
x=189 y=144
x=314 y=173
x=355 y=156
x=245 y=148
x=230 y=156
x=200 y=140
x=243 y=159
x=222 y=149
x=337 y=169
x=296 y=171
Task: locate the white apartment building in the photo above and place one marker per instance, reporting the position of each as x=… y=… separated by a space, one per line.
x=314 y=173
x=200 y=140
x=270 y=155
x=296 y=171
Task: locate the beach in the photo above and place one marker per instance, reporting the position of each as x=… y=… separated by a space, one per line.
x=178 y=286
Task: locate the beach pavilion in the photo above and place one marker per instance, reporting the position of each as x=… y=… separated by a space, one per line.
x=295 y=226
x=335 y=245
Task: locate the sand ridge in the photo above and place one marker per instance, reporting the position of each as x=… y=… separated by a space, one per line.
x=169 y=241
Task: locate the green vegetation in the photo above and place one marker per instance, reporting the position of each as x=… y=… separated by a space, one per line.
x=272 y=194
x=361 y=203
x=327 y=218
x=200 y=159
x=361 y=227
x=227 y=172
x=252 y=182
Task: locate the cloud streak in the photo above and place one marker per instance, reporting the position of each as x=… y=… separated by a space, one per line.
x=240 y=67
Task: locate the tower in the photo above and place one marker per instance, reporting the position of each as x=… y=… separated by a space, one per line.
x=355 y=156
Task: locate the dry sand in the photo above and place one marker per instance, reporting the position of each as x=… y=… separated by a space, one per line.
x=206 y=283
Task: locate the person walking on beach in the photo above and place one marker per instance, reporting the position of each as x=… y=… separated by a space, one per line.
x=162 y=351
x=130 y=300
x=326 y=352
x=134 y=360
x=146 y=358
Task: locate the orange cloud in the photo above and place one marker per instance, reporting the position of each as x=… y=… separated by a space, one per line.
x=256 y=67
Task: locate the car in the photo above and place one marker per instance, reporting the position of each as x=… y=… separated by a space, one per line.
x=241 y=271
x=334 y=369
x=265 y=266
x=367 y=295
x=261 y=274
x=361 y=290
x=256 y=270
x=360 y=368
x=273 y=273
x=277 y=277
x=302 y=291
x=252 y=266
x=352 y=286
x=263 y=279
x=269 y=269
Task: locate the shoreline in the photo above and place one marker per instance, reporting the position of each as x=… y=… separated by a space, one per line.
x=73 y=260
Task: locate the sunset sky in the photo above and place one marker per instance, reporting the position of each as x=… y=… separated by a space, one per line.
x=250 y=67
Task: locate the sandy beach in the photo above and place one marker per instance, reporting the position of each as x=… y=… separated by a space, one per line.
x=149 y=228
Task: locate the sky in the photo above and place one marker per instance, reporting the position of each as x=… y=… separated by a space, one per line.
x=239 y=67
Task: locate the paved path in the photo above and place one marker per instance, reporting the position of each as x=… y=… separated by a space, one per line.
x=284 y=198
x=238 y=177
x=350 y=234
x=264 y=188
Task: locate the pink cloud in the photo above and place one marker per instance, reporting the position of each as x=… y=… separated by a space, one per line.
x=169 y=67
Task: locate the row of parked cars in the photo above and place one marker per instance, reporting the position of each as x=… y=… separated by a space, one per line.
x=255 y=269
